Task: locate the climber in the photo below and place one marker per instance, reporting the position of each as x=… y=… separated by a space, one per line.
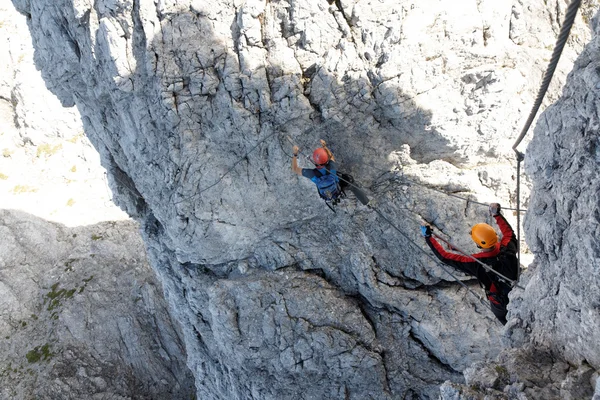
x=500 y=256
x=325 y=175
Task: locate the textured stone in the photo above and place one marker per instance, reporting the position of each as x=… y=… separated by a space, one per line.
x=563 y=223
x=84 y=318
x=189 y=106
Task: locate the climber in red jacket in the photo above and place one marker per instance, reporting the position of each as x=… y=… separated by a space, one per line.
x=501 y=256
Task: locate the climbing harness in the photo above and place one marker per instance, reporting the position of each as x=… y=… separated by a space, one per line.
x=556 y=53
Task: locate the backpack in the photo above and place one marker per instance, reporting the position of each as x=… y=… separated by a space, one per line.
x=327 y=185
x=505 y=264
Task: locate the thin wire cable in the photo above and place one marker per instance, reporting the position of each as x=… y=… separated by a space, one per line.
x=455 y=196
x=558 y=48
x=519 y=159
x=487 y=267
x=436 y=261
x=230 y=168
x=463 y=252
x=404 y=178
x=275 y=132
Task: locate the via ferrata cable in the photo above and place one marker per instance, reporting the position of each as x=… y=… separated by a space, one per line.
x=556 y=53
x=487 y=267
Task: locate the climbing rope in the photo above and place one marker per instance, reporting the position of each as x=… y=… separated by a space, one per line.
x=556 y=53
x=456 y=196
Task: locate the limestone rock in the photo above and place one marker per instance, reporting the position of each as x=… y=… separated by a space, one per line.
x=82 y=315
x=190 y=106
x=84 y=318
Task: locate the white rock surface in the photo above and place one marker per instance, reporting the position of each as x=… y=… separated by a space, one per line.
x=48 y=167
x=81 y=313
x=189 y=105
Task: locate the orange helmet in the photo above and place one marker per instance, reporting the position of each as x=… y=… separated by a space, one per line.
x=320 y=156
x=484 y=236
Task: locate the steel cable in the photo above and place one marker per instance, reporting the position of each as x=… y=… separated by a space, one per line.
x=558 y=48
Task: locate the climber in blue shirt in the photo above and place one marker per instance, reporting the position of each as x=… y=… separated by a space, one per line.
x=325 y=175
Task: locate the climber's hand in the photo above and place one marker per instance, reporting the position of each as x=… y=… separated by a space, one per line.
x=494 y=209
x=426 y=231
x=323 y=144
x=295 y=149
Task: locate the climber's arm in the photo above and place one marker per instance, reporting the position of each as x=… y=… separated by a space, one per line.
x=295 y=166
x=329 y=153
x=508 y=235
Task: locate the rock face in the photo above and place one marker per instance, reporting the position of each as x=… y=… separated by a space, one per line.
x=84 y=318
x=563 y=227
x=190 y=106
x=82 y=315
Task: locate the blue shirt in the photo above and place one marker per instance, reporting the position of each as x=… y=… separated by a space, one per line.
x=312 y=175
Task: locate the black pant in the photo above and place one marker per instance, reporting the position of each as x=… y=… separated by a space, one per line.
x=345 y=180
x=499 y=311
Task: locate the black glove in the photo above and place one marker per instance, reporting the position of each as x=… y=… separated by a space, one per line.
x=494 y=209
x=426 y=231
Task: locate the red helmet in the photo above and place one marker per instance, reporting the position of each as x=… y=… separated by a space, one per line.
x=320 y=156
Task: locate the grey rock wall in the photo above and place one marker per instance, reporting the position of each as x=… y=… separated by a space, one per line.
x=563 y=224
x=189 y=105
x=82 y=315
x=85 y=317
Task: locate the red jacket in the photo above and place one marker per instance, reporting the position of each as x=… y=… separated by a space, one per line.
x=507 y=246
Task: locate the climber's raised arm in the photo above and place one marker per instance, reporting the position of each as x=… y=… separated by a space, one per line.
x=295 y=166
